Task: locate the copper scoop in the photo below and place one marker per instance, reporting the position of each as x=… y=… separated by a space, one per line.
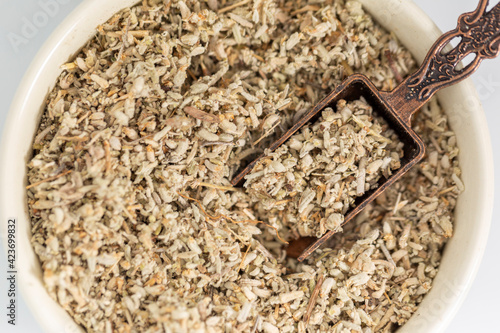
x=480 y=36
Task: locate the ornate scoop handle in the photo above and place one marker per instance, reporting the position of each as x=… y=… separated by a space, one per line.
x=480 y=35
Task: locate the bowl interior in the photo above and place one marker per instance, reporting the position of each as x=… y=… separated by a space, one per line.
x=414 y=29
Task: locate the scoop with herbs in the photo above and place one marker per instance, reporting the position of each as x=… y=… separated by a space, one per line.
x=479 y=33
x=317 y=174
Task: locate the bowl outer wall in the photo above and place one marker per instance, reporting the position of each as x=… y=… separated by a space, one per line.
x=415 y=30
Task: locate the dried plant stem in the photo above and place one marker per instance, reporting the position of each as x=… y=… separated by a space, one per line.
x=219 y=187
x=312 y=300
x=387 y=296
x=305 y=9
x=73 y=138
x=258 y=57
x=82 y=118
x=218 y=217
x=233 y=6
x=394 y=211
x=385 y=319
x=280 y=202
x=201 y=115
x=449 y=189
x=48 y=179
x=269 y=131
x=340 y=192
x=243 y=259
x=108 y=156
x=113 y=266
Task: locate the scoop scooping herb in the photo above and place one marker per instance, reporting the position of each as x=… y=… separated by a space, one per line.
x=480 y=37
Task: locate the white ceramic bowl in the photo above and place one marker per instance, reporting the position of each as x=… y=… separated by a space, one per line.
x=414 y=29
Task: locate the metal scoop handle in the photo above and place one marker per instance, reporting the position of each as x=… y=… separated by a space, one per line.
x=479 y=32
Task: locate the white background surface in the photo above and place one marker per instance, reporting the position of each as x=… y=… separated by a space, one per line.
x=19 y=44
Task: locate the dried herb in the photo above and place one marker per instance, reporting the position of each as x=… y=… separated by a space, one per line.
x=133 y=116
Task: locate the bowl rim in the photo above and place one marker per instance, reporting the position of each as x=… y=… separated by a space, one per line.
x=446 y=291
x=76 y=21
